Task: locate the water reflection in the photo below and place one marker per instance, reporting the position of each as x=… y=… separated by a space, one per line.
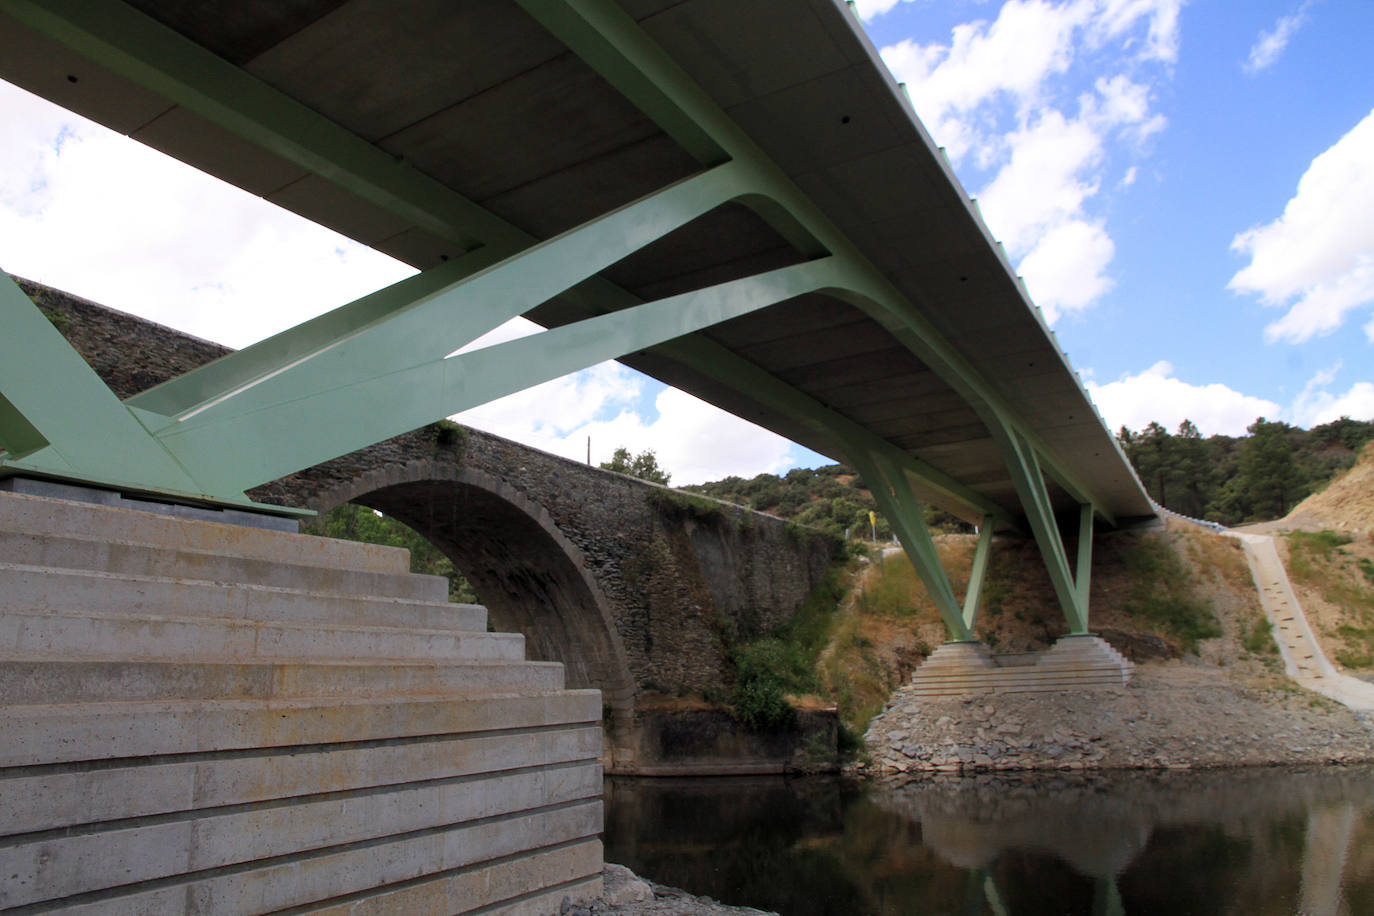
x=1216 y=842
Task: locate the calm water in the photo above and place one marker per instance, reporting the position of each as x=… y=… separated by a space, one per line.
x=1248 y=842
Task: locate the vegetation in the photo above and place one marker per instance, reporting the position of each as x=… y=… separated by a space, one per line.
x=644 y=465
x=1322 y=560
x=833 y=499
x=784 y=662
x=1232 y=480
x=359 y=523
x=1162 y=596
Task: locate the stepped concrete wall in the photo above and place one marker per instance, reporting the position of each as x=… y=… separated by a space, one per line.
x=209 y=718
x=633 y=587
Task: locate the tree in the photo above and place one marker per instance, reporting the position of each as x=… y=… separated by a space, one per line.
x=1270 y=482
x=644 y=465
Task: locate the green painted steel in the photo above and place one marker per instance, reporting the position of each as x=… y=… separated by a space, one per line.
x=607 y=38
x=59 y=417
x=905 y=513
x=388 y=363
x=1030 y=487
x=977 y=573
x=258 y=443
x=1083 y=571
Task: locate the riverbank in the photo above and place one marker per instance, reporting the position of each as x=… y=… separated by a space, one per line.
x=626 y=894
x=1173 y=714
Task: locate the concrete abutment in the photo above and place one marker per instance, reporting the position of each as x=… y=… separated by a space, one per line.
x=211 y=718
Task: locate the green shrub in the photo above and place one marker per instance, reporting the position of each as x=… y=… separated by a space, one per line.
x=1162 y=594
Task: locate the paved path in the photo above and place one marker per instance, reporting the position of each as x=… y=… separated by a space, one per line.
x=1302 y=654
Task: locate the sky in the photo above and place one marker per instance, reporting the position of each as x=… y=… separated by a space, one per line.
x=1187 y=189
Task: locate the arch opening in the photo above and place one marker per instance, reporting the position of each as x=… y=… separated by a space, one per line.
x=530 y=577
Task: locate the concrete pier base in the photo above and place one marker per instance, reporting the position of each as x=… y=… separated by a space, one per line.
x=1073 y=662
x=204 y=717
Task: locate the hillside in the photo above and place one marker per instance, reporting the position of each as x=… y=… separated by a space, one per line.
x=1347 y=504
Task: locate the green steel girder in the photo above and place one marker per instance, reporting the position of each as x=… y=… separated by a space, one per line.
x=143 y=50
x=245 y=445
x=332 y=360
x=904 y=512
x=978 y=572
x=1071 y=590
x=609 y=40
x=57 y=417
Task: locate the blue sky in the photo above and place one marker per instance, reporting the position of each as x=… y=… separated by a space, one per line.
x=1188 y=189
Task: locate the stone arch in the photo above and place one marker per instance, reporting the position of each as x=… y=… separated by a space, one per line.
x=531 y=577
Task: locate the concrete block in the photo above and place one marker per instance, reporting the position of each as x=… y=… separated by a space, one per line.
x=39 y=515
x=25 y=682
x=30 y=588
x=63 y=865
x=532 y=886
x=60 y=734
x=301 y=880
x=78 y=551
x=48 y=635
x=90 y=796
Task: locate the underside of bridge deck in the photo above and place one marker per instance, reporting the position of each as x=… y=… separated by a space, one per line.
x=754 y=216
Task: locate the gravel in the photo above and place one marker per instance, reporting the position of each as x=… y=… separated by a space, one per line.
x=1171 y=715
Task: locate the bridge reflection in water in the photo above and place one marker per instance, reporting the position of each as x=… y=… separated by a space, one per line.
x=1220 y=842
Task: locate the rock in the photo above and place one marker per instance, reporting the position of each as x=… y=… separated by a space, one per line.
x=622 y=886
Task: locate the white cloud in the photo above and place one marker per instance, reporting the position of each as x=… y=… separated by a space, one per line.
x=1067 y=269
x=1315 y=405
x=1319 y=255
x=1011 y=57
x=106 y=218
x=1000 y=92
x=694 y=441
x=1270 y=45
x=1040 y=187
x=1155 y=395
x=869 y=8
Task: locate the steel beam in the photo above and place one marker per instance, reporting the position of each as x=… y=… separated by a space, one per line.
x=245 y=444
x=977 y=573
x=608 y=39
x=59 y=418
x=1024 y=465
x=904 y=512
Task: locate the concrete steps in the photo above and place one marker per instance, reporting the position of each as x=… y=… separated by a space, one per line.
x=1072 y=663
x=199 y=717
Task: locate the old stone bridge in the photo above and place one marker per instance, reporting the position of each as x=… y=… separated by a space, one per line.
x=635 y=588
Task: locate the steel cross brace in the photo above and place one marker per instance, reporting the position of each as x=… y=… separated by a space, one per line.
x=1071 y=586
x=892 y=492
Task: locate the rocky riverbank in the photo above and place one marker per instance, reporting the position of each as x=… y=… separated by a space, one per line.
x=626 y=894
x=1171 y=715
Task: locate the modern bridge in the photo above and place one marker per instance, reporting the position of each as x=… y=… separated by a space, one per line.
x=734 y=198
x=752 y=215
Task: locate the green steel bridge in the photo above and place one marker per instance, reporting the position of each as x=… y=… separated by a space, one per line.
x=734 y=198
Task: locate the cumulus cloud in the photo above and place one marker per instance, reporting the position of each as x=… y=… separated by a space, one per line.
x=110 y=219
x=998 y=93
x=867 y=9
x=693 y=440
x=1315 y=405
x=1318 y=257
x=1156 y=395
x=1269 y=45
x=1067 y=270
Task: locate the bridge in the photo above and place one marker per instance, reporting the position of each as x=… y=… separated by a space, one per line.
x=753 y=216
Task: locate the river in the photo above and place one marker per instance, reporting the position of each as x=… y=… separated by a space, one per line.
x=1246 y=841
